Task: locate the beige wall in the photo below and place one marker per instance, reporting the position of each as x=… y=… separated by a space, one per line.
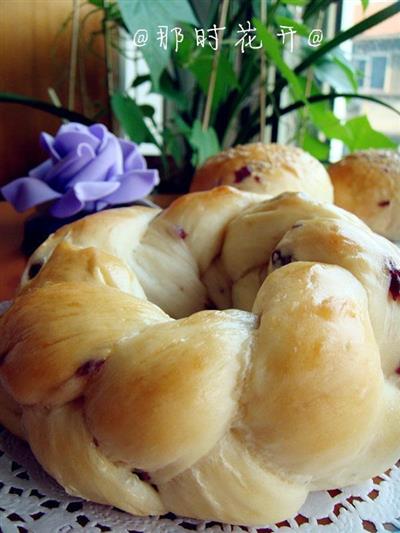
x=390 y=26
x=31 y=60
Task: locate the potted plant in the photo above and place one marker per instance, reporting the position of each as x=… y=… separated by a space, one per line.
x=226 y=71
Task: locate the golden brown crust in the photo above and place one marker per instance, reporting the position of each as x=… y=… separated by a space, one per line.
x=266 y=169
x=71 y=263
x=78 y=330
x=367 y=183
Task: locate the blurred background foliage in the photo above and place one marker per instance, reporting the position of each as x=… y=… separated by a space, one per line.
x=215 y=99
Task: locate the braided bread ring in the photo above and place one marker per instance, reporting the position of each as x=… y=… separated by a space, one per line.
x=131 y=393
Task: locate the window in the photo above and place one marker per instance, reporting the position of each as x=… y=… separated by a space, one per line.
x=361 y=66
x=378 y=72
x=371 y=71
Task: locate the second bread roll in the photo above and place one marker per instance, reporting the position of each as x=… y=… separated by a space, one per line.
x=266 y=169
x=367 y=183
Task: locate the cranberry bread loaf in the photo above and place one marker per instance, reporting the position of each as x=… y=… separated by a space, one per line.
x=219 y=359
x=265 y=169
x=367 y=183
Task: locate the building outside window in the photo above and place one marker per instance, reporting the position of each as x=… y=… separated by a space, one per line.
x=376 y=56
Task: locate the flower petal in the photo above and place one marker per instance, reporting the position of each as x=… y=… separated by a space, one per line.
x=72 y=126
x=107 y=163
x=24 y=193
x=133 y=159
x=88 y=191
x=70 y=166
x=67 y=205
x=133 y=185
x=68 y=141
x=101 y=133
x=46 y=141
x=100 y=205
x=41 y=170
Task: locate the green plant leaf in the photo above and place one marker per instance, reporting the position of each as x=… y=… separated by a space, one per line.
x=273 y=50
x=335 y=69
x=336 y=74
x=364 y=4
x=300 y=28
x=204 y=143
x=314 y=6
x=327 y=122
x=361 y=135
x=140 y=79
x=349 y=71
x=173 y=146
x=170 y=90
x=148 y=15
x=201 y=67
x=315 y=147
x=295 y=2
x=356 y=133
x=186 y=48
x=317 y=98
x=183 y=127
x=147 y=110
x=110 y=10
x=131 y=118
x=206 y=16
x=320 y=116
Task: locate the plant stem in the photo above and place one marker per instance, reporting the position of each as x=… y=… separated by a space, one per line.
x=307 y=92
x=74 y=55
x=213 y=76
x=54 y=97
x=263 y=75
x=273 y=9
x=230 y=110
x=109 y=69
x=331 y=96
x=61 y=112
x=276 y=100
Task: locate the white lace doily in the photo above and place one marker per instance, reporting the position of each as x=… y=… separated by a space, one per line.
x=31 y=501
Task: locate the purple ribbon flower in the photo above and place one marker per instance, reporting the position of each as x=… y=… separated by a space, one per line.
x=89 y=169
